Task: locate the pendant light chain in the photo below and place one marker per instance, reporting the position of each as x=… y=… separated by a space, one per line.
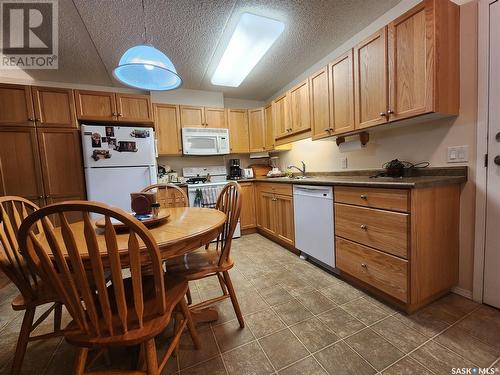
x=144 y=19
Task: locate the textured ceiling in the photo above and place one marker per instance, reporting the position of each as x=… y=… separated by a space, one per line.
x=193 y=33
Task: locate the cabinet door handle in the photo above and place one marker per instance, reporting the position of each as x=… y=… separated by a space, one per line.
x=120 y=114
x=383 y=114
x=31 y=119
x=363 y=226
x=364 y=265
x=390 y=112
x=363 y=196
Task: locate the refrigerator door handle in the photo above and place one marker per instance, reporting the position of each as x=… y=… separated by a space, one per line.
x=156 y=147
x=152 y=175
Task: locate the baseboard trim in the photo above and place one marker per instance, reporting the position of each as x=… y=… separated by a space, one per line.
x=248 y=231
x=462 y=292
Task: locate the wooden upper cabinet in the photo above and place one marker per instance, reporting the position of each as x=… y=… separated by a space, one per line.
x=320 y=111
x=371 y=83
x=269 y=127
x=410 y=70
x=342 y=94
x=247 y=216
x=281 y=117
x=134 y=108
x=423 y=60
x=20 y=172
x=95 y=105
x=61 y=161
x=300 y=115
x=238 y=130
x=192 y=117
x=167 y=129
x=215 y=117
x=256 y=129
x=54 y=107
x=16 y=106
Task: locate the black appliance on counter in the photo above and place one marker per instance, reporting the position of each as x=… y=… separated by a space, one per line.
x=234 y=169
x=398 y=168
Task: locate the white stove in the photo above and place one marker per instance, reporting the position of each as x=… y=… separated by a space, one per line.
x=204 y=186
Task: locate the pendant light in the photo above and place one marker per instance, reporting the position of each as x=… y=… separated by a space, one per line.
x=145 y=67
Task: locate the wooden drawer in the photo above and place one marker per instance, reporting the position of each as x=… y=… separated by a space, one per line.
x=277 y=188
x=383 y=230
x=387 y=199
x=382 y=271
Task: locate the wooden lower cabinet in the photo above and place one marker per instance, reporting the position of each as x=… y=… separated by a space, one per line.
x=247 y=216
x=385 y=272
x=283 y=207
x=275 y=211
x=409 y=258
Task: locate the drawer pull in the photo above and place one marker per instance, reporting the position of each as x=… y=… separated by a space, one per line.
x=363 y=196
x=364 y=265
x=363 y=226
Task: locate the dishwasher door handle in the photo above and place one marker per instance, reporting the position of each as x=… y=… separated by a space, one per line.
x=319 y=191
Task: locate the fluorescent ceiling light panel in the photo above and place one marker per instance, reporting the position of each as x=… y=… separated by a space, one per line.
x=251 y=39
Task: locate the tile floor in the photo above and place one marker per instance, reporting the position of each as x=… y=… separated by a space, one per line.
x=299 y=320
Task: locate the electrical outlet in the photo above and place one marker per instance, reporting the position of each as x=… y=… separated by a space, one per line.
x=343 y=162
x=458 y=154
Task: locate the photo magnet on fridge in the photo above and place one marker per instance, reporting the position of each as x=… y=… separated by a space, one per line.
x=110 y=131
x=96 y=140
x=112 y=143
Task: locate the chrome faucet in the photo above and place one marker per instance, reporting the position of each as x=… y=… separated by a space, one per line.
x=303 y=170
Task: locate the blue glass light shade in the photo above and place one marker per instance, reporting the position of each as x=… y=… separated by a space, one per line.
x=147 y=68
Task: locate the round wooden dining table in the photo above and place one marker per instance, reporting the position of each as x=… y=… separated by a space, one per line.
x=185 y=229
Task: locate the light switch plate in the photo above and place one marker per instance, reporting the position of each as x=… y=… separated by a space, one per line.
x=343 y=162
x=458 y=154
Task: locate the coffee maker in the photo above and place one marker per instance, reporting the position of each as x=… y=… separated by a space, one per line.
x=234 y=169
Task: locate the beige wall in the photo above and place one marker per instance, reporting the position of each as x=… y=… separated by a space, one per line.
x=427 y=141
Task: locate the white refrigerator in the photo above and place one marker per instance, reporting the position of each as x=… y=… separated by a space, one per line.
x=118 y=160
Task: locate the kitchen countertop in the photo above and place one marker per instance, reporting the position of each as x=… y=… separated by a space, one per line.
x=433 y=177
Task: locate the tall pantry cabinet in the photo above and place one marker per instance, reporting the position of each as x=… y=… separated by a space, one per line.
x=40 y=152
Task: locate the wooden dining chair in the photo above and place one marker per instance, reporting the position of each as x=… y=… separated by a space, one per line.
x=215 y=259
x=168 y=195
x=131 y=310
x=33 y=291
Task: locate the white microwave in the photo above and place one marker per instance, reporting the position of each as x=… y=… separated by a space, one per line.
x=205 y=141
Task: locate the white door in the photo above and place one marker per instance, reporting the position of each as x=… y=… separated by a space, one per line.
x=491 y=294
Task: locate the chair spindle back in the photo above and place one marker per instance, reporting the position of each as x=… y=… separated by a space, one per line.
x=229 y=202
x=74 y=258
x=168 y=195
x=13 y=210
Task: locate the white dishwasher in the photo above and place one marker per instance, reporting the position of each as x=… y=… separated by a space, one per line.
x=314 y=226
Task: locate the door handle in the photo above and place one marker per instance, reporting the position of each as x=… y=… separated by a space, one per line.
x=497 y=160
x=497 y=137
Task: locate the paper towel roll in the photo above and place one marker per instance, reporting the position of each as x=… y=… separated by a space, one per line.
x=349 y=146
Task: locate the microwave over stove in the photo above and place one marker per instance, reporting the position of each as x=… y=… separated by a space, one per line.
x=205 y=141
